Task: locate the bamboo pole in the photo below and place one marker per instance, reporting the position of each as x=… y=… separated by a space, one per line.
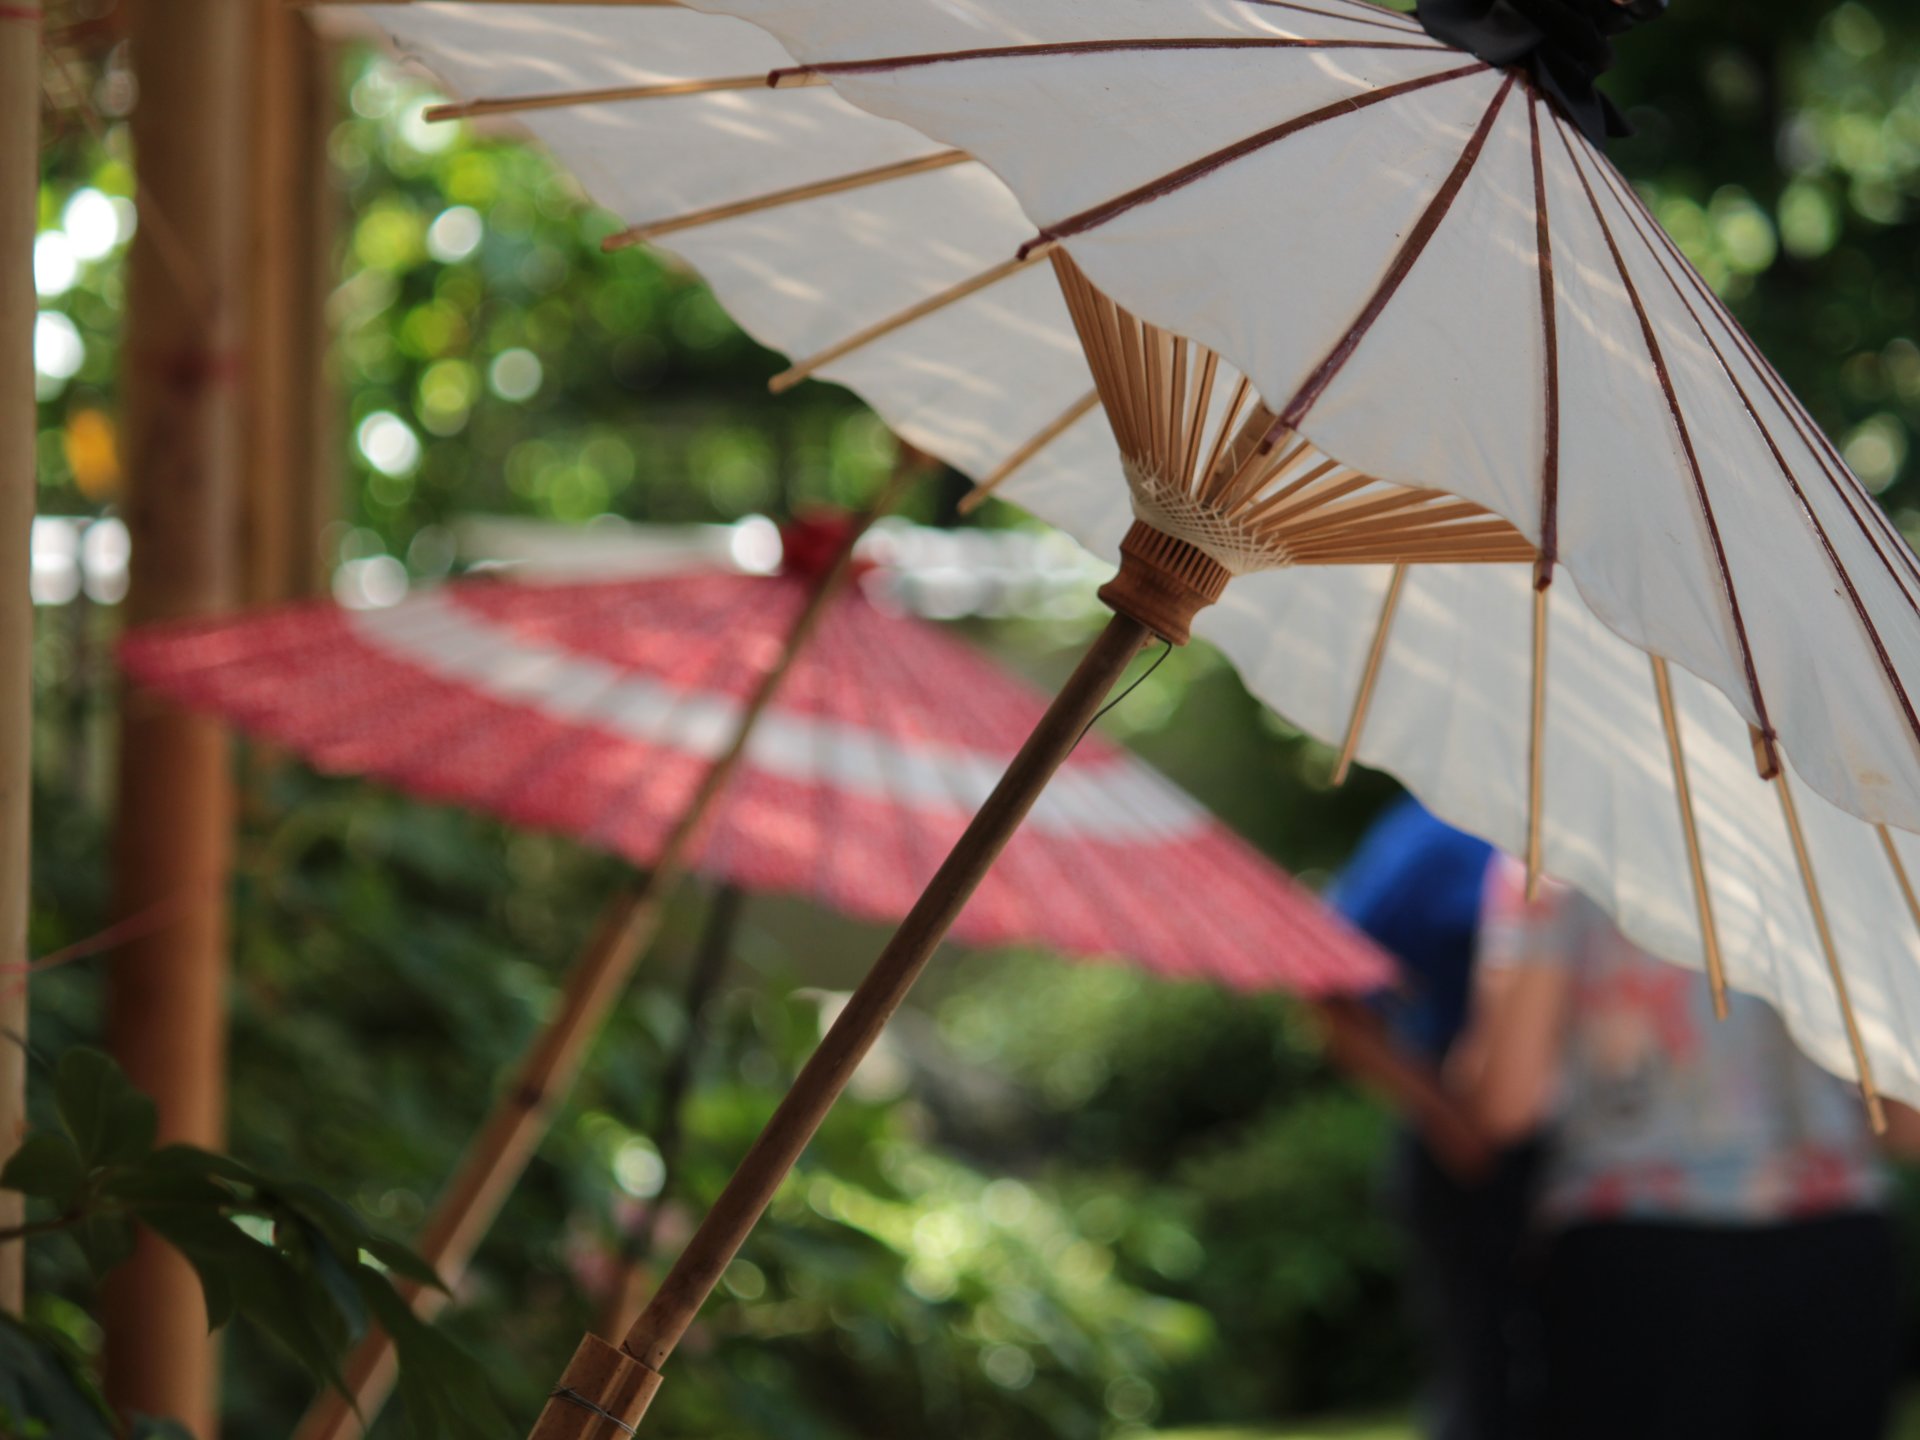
x=291 y=415
x=166 y=1000
x=521 y=1116
x=319 y=476
x=626 y=1294
x=271 y=385
x=604 y=1388
x=19 y=188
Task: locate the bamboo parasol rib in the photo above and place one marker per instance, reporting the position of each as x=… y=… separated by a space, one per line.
x=1007 y=468
x=802 y=369
x=798 y=194
x=664 y=90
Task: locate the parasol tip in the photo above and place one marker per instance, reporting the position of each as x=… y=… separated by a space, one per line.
x=1565 y=45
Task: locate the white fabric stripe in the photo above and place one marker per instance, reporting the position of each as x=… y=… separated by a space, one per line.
x=1124 y=801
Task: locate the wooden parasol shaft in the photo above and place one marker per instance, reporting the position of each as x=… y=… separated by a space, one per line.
x=520 y=1118
x=602 y=1382
x=181 y=364
x=627 y=1292
x=19 y=188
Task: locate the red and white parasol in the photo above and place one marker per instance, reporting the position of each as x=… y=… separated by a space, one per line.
x=596 y=709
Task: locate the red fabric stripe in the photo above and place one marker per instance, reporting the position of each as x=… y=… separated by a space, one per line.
x=1204 y=905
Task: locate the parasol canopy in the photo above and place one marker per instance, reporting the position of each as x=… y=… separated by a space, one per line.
x=888 y=260
x=1463 y=264
x=595 y=709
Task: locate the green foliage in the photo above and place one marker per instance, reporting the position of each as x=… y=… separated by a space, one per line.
x=1203 y=1137
x=294 y=1263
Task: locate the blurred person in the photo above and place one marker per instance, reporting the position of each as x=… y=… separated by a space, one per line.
x=1415 y=886
x=1718 y=1262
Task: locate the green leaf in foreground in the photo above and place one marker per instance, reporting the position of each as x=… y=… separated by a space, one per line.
x=110 y=1121
x=47 y=1166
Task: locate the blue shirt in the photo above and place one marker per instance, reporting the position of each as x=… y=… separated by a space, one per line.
x=1414 y=886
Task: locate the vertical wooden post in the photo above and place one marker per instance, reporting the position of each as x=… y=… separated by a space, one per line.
x=19 y=192
x=270 y=388
x=321 y=479
x=290 y=422
x=166 y=1001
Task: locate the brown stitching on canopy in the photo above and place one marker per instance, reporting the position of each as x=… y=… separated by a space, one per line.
x=1550 y=385
x=1408 y=256
x=1834 y=469
x=1793 y=483
x=1767 y=737
x=884 y=63
x=1199 y=169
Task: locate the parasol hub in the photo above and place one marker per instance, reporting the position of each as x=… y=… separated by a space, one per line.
x=1164 y=582
x=812 y=542
x=1565 y=46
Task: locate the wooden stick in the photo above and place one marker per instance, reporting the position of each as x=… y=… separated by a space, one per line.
x=1321 y=485
x=1217 y=452
x=1179 y=419
x=1052 y=431
x=1197 y=426
x=612 y=94
x=1392 y=530
x=1114 y=326
x=1435 y=555
x=1243 y=451
x=1154 y=345
x=1696 y=861
x=167 y=991
x=288 y=235
x=1091 y=322
x=1900 y=874
x=1537 y=744
x=1379 y=514
x=709 y=965
x=1442 y=550
x=322 y=418
x=793 y=195
x=1328 y=489
x=521 y=1115
x=19 y=185
x=653 y=1337
x=673 y=1308
x=973 y=285
x=1863 y=1067
x=1370 y=676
